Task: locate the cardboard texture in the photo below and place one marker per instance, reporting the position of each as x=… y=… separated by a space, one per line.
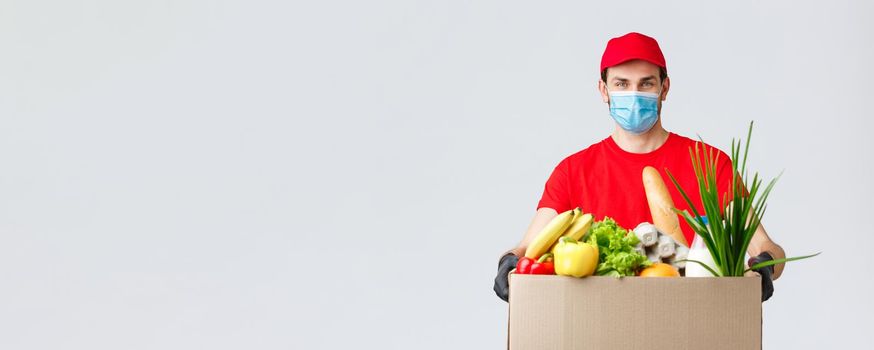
x=558 y=312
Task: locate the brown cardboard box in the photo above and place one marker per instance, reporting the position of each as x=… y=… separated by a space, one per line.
x=558 y=312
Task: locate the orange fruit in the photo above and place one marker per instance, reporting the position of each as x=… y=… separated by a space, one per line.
x=660 y=270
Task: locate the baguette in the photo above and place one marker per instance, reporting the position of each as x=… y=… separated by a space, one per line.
x=661 y=206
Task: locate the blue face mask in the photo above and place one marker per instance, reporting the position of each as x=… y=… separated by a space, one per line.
x=634 y=111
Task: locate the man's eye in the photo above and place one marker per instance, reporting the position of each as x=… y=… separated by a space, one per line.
x=647 y=84
x=621 y=84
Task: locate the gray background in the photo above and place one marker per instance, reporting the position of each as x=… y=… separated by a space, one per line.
x=324 y=174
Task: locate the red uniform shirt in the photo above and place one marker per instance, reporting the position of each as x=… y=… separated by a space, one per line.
x=605 y=180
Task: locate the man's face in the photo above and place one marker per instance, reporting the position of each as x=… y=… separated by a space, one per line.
x=634 y=75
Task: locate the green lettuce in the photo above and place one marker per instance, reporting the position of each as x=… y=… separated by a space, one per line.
x=617 y=256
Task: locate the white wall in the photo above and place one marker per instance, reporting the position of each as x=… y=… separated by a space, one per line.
x=323 y=174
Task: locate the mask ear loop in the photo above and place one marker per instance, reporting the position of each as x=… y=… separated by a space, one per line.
x=660 y=99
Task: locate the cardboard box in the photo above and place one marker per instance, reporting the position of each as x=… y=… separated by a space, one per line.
x=558 y=312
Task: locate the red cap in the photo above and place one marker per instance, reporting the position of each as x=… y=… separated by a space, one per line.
x=632 y=46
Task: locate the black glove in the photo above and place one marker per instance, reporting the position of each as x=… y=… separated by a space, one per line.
x=766 y=272
x=502 y=280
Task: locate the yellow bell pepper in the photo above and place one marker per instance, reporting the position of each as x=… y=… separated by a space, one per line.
x=572 y=258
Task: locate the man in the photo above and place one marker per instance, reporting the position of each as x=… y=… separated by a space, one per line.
x=605 y=178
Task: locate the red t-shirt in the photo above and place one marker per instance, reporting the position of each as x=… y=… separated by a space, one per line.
x=605 y=180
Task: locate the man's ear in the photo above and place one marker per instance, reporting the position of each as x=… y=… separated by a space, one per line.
x=666 y=87
x=602 y=88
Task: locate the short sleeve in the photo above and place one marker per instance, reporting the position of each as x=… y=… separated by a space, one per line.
x=556 y=191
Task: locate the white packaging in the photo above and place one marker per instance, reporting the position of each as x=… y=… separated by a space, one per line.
x=666 y=246
x=699 y=252
x=647 y=233
x=681 y=253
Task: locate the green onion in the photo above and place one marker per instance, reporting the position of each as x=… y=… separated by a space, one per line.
x=727 y=234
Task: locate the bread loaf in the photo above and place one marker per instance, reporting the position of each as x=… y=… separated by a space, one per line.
x=661 y=206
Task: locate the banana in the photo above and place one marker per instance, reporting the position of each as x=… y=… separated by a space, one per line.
x=579 y=227
x=550 y=233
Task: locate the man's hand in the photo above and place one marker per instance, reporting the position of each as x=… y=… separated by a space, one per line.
x=509 y=260
x=766 y=272
x=502 y=281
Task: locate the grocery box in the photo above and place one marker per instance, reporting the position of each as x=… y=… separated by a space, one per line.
x=560 y=312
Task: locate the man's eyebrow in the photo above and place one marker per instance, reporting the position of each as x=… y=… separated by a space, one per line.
x=651 y=77
x=620 y=79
